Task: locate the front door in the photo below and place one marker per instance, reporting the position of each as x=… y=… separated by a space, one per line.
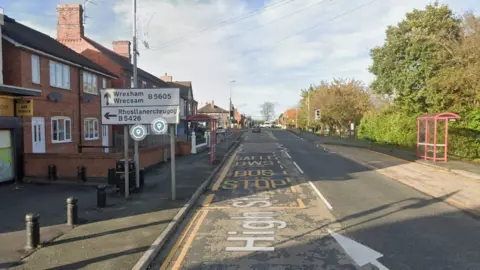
x=6 y=156
x=38 y=135
x=105 y=137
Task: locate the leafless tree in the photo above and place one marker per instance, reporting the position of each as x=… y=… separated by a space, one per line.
x=268 y=110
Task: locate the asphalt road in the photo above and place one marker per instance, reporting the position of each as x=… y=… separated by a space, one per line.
x=411 y=230
x=283 y=203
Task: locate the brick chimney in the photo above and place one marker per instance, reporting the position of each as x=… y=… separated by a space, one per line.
x=70 y=22
x=166 y=78
x=122 y=47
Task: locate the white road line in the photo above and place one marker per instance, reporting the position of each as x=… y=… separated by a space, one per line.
x=286 y=153
x=329 y=206
x=298 y=167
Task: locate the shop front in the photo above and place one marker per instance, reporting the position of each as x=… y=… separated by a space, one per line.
x=11 y=131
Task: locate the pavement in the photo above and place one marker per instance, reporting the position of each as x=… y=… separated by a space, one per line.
x=283 y=203
x=461 y=167
x=114 y=237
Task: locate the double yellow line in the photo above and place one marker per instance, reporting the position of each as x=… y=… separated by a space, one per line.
x=197 y=219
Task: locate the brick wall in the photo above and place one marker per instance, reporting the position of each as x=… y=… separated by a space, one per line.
x=11 y=64
x=96 y=164
x=68 y=106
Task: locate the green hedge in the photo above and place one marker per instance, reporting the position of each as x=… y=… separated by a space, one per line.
x=398 y=128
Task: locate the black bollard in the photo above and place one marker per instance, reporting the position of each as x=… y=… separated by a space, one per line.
x=101 y=196
x=142 y=177
x=111 y=176
x=72 y=211
x=81 y=174
x=33 y=231
x=52 y=172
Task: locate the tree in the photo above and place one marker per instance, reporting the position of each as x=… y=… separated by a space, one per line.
x=267 y=110
x=409 y=59
x=339 y=101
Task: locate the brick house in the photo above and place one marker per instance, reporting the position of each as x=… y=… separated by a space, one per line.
x=216 y=112
x=70 y=32
x=186 y=101
x=237 y=116
x=64 y=87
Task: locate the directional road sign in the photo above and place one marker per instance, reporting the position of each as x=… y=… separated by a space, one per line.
x=139 y=106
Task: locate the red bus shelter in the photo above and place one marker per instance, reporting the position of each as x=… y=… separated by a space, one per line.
x=211 y=124
x=432 y=135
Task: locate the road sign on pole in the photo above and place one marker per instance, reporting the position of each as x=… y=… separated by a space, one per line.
x=139 y=106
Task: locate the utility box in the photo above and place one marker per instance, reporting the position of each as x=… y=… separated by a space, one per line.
x=120 y=175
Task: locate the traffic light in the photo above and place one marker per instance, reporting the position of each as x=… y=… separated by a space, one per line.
x=317 y=114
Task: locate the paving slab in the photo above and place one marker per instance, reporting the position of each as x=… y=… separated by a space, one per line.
x=116 y=237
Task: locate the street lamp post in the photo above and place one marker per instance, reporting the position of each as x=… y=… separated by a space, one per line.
x=230 y=108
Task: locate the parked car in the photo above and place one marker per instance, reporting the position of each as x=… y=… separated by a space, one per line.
x=256 y=129
x=220 y=130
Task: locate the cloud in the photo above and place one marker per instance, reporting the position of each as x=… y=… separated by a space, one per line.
x=271 y=54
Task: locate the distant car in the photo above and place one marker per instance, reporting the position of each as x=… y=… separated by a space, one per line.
x=220 y=130
x=256 y=129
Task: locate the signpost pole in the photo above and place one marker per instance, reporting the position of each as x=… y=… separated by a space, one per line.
x=135 y=85
x=172 y=158
x=125 y=139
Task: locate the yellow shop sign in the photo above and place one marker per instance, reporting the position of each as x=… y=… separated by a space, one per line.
x=24 y=107
x=6 y=106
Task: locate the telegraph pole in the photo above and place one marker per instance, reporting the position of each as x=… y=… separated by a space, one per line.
x=135 y=85
x=230 y=110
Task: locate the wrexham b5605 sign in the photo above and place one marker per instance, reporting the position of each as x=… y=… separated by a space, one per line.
x=139 y=106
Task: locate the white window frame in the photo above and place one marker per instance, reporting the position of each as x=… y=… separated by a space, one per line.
x=59 y=70
x=90 y=83
x=131 y=82
x=58 y=120
x=91 y=122
x=144 y=84
x=104 y=83
x=35 y=69
x=154 y=86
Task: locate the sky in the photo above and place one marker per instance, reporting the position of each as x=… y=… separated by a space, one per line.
x=270 y=49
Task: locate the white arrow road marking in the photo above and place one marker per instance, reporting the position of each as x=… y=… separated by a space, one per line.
x=362 y=255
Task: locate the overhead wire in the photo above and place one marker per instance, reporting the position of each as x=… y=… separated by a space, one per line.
x=262 y=48
x=278 y=19
x=224 y=23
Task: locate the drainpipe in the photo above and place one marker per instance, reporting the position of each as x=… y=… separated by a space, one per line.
x=80 y=126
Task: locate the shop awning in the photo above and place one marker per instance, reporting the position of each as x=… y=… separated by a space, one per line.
x=18 y=91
